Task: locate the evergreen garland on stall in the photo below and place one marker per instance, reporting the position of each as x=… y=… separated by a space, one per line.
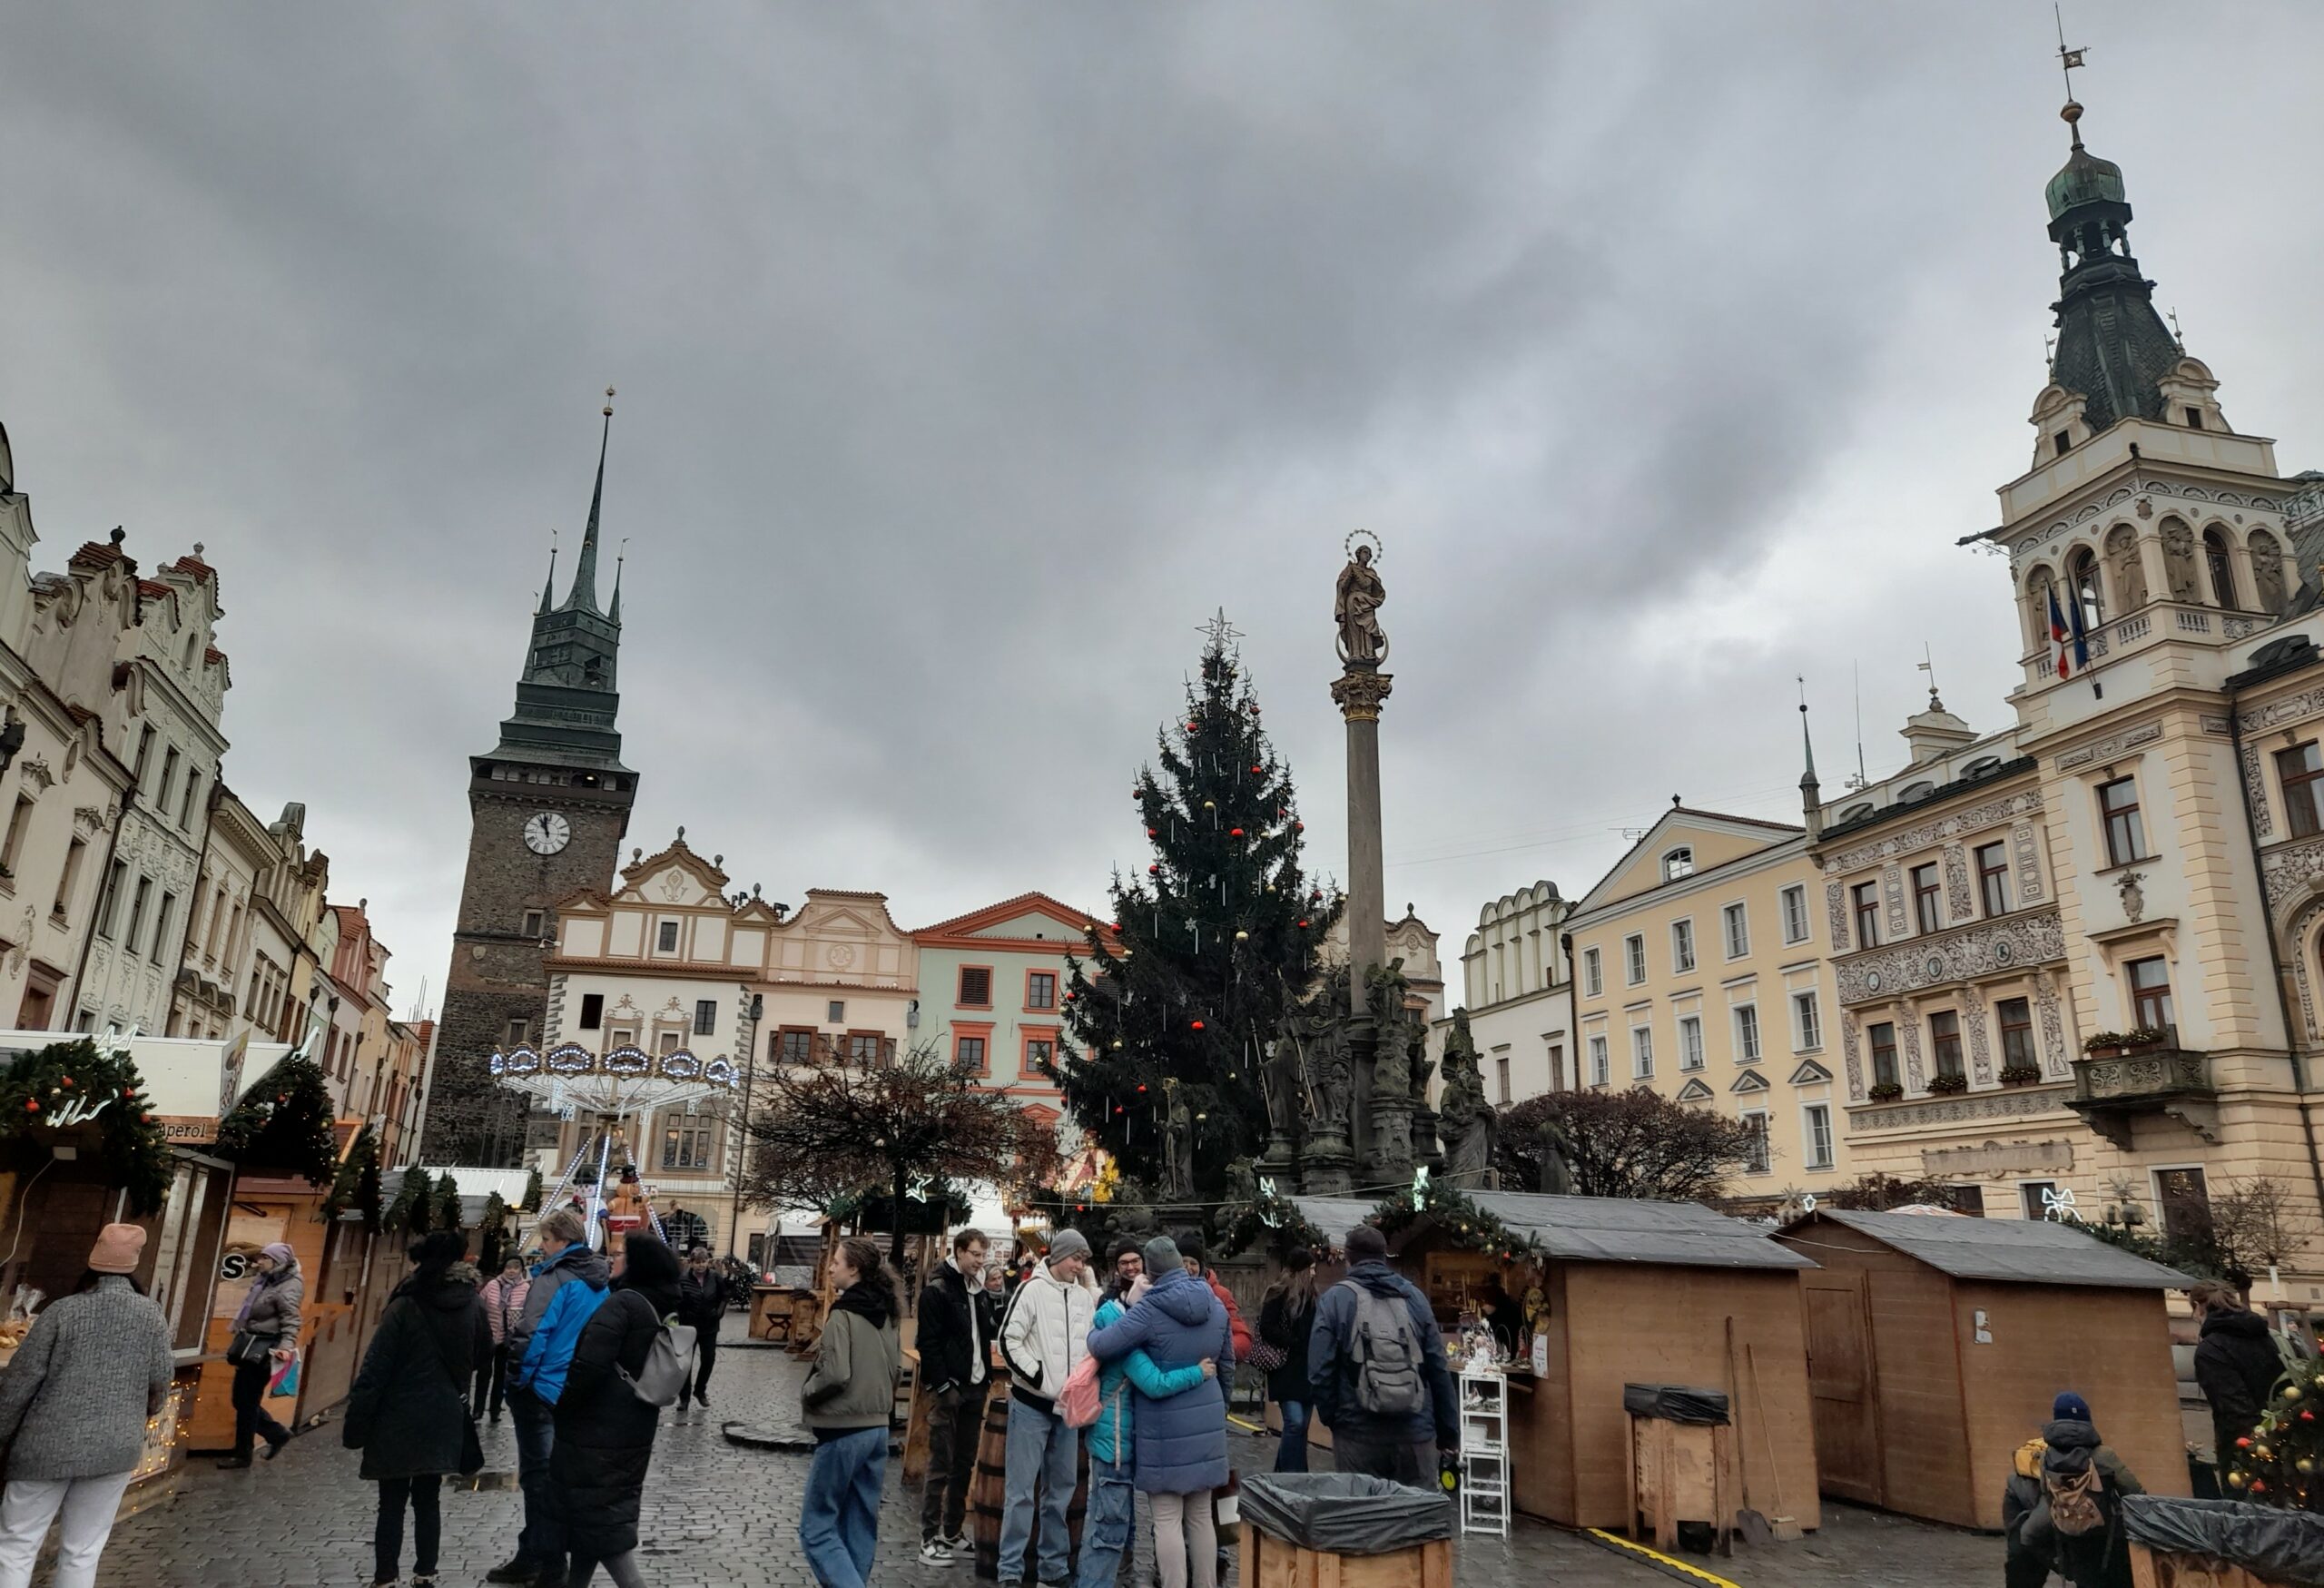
x=356 y=1186
x=447 y=1215
x=1457 y=1218
x=1209 y=951
x=2276 y=1463
x=77 y=1083
x=410 y=1211
x=492 y=1236
x=532 y=1198
x=283 y=1122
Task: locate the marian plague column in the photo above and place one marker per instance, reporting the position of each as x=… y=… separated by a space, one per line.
x=1359 y=692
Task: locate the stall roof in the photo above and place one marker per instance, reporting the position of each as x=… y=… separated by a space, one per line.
x=1601 y=1229
x=2034 y=1251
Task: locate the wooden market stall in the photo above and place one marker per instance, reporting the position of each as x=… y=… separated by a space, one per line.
x=1939 y=1342
x=1631 y=1293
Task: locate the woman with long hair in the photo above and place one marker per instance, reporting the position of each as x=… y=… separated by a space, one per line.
x=605 y=1433
x=846 y=1403
x=266 y=1328
x=408 y=1412
x=72 y=1408
x=1286 y=1316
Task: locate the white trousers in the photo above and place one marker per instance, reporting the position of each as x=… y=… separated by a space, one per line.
x=88 y=1506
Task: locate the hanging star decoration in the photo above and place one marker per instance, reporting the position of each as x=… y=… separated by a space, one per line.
x=1220 y=632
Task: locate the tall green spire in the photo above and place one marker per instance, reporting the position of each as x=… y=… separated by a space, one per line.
x=2113 y=350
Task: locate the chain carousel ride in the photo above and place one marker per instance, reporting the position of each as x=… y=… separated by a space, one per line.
x=617 y=1094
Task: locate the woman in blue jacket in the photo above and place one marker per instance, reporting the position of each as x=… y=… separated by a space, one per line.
x=1181 y=1441
x=1105 y=1532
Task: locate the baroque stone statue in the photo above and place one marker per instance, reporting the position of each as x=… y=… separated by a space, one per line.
x=1470 y=1124
x=1391 y=1062
x=1333 y=1076
x=1556 y=1173
x=1360 y=595
x=1285 y=1079
x=1178 y=1139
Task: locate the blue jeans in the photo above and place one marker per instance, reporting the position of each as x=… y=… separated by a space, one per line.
x=1291 y=1455
x=542 y=1543
x=839 y=1516
x=1043 y=1453
x=1106 y=1525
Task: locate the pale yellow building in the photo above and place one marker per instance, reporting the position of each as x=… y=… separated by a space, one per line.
x=1698 y=971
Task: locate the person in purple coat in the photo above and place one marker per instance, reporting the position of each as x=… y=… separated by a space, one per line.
x=1181 y=1441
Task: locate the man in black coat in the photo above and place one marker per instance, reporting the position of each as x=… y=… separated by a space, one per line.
x=955 y=1342
x=2235 y=1363
x=702 y=1304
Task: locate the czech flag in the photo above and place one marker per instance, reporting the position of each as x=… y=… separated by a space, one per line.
x=2059 y=635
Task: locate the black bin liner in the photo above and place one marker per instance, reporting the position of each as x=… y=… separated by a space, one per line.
x=1676 y=1403
x=1344 y=1513
x=2283 y=1546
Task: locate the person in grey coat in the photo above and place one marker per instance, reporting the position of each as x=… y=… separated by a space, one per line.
x=74 y=1405
x=270 y=1316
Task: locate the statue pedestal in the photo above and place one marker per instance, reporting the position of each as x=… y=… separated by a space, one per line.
x=1426 y=1152
x=1391 y=1161
x=1325 y=1168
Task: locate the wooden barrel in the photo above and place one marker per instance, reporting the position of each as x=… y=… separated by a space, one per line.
x=988 y=1491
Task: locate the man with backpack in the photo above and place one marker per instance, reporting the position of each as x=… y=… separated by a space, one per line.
x=2063 y=1510
x=1378 y=1369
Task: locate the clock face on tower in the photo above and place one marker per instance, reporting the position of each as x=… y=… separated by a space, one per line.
x=547 y=832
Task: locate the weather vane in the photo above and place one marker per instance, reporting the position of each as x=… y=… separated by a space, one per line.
x=2068 y=59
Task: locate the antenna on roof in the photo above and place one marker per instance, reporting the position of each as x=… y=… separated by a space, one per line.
x=1859 y=780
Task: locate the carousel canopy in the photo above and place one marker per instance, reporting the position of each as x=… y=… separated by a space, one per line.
x=572 y=1081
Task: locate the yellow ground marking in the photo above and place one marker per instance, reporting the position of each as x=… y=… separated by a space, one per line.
x=1696 y=1572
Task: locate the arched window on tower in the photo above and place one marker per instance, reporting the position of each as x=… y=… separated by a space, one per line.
x=2081 y=580
x=2221 y=568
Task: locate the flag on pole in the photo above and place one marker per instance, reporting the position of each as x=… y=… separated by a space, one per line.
x=2073 y=650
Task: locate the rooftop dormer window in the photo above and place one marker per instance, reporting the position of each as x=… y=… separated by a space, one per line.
x=1678 y=863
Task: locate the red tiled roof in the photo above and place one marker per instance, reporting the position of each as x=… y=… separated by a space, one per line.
x=97 y=554
x=213 y=656
x=196 y=566
x=154 y=588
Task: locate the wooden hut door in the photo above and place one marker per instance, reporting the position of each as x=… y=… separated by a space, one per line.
x=1840 y=1378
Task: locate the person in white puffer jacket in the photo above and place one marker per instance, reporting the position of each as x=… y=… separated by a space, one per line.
x=1044 y=1337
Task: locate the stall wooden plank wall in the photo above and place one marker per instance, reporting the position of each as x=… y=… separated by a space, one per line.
x=2111 y=1346
x=1639 y=1323
x=1540 y=1442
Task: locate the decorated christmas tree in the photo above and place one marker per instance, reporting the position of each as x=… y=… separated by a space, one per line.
x=414 y=1204
x=357 y=1184
x=75 y=1085
x=2277 y=1463
x=1169 y=1014
x=283 y=1122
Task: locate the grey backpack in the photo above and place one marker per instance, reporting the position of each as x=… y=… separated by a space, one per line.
x=668 y=1362
x=1386 y=1348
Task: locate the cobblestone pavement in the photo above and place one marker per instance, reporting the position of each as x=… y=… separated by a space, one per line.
x=720 y=1516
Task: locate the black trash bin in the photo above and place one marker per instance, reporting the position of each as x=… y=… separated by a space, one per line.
x=1344 y=1513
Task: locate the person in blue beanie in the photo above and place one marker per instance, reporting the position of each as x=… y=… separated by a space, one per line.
x=2062 y=1508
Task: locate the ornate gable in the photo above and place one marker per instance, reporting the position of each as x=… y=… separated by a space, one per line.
x=1810 y=1073
x=1695 y=1091
x=1749 y=1081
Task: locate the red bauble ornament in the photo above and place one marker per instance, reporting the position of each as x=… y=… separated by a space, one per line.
x=1235 y=832
x=68 y=1081
x=1303 y=925
x=2244 y=1443
x=1192 y=728
x=146 y=1118
x=1154 y=831
x=129 y=1092
x=2258 y=1485
x=1154 y=871
x=283 y=1097
x=2307 y=1415
x=32 y=1105
x=1141 y=1086
x=1198 y=1025
x=1255 y=770
x=1299 y=826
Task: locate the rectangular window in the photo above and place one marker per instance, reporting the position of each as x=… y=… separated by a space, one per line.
x=794 y=1045
x=686 y=1144
x=1816 y=1137
x=144 y=754
x=2151 y=994
x=976 y=987
x=1928 y=898
x=863 y=1048
x=519 y=1032
x=1747 y=1034
x=1691 y=1042
x=2185 y=1201
x=1501 y=1074
x=109 y=907
x=1883 y=1038
x=666 y=1041
x=1600 y=1070
x=1039 y=1054
x=2118 y=803
x=666 y=937
x=1795 y=913
x=2029 y=1195
x=968 y=1053
x=2016 y=1017
x=1738 y=931
x=592 y=1010
x=1682 y=946
x=1807 y=1024
x=1865 y=897
x=185 y=806
x=12 y=850
x=1641 y=1053
x=1040 y=989
x=1593 y=973
x=169 y=776
x=1756 y=1159
x=1634 y=957
x=835 y=1012
x=2301 y=767
x=69 y=878
x=162 y=925
x=1993 y=877
x=705 y=1016
x=536 y=922
x=1944 y=1039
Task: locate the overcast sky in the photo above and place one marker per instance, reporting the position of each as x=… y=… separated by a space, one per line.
x=971 y=356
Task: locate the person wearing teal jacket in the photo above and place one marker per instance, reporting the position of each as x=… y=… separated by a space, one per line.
x=1106 y=1529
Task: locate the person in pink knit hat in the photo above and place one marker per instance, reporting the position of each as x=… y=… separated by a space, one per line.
x=73 y=1405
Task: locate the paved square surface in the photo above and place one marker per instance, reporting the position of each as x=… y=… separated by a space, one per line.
x=722 y=1516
